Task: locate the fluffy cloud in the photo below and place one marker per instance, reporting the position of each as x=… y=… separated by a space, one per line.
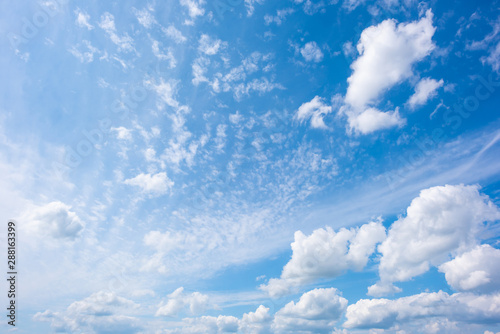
x=477 y=270
x=174 y=34
x=209 y=46
x=123 y=133
x=108 y=25
x=316 y=312
x=425 y=90
x=256 y=322
x=442 y=221
x=102 y=312
x=387 y=53
x=384 y=313
x=311 y=52
x=195 y=7
x=82 y=19
x=145 y=18
x=178 y=300
x=326 y=254
x=315 y=110
x=279 y=18
x=153 y=184
x=54 y=219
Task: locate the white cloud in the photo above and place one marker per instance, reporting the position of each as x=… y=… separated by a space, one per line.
x=123 y=133
x=387 y=55
x=256 y=322
x=102 y=312
x=280 y=16
x=174 y=34
x=178 y=300
x=316 y=312
x=493 y=58
x=311 y=52
x=195 y=7
x=314 y=110
x=82 y=19
x=262 y=85
x=384 y=313
x=250 y=5
x=54 y=219
x=441 y=221
x=209 y=46
x=108 y=25
x=425 y=90
x=86 y=55
x=476 y=270
x=326 y=254
x=145 y=18
x=153 y=184
x=158 y=54
x=372 y=119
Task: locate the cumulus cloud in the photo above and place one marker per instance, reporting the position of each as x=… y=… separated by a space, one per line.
x=108 y=25
x=314 y=110
x=326 y=254
x=54 y=219
x=442 y=221
x=82 y=19
x=194 y=7
x=250 y=5
x=424 y=91
x=316 y=312
x=177 y=301
x=102 y=312
x=174 y=34
x=123 y=133
x=387 y=53
x=145 y=18
x=311 y=52
x=384 y=313
x=256 y=322
x=209 y=46
x=153 y=184
x=477 y=270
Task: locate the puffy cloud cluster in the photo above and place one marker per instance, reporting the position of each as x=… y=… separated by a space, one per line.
x=178 y=300
x=54 y=219
x=314 y=110
x=441 y=222
x=326 y=254
x=425 y=90
x=102 y=312
x=385 y=313
x=387 y=53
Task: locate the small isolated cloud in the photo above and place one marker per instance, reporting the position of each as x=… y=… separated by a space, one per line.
x=311 y=52
x=424 y=91
x=102 y=312
x=372 y=120
x=442 y=221
x=169 y=56
x=477 y=270
x=326 y=254
x=145 y=17
x=209 y=46
x=314 y=110
x=316 y=312
x=54 y=219
x=194 y=7
x=177 y=301
x=82 y=19
x=108 y=25
x=123 y=133
x=387 y=53
x=153 y=184
x=174 y=34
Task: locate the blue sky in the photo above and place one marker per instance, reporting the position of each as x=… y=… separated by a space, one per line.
x=248 y=166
